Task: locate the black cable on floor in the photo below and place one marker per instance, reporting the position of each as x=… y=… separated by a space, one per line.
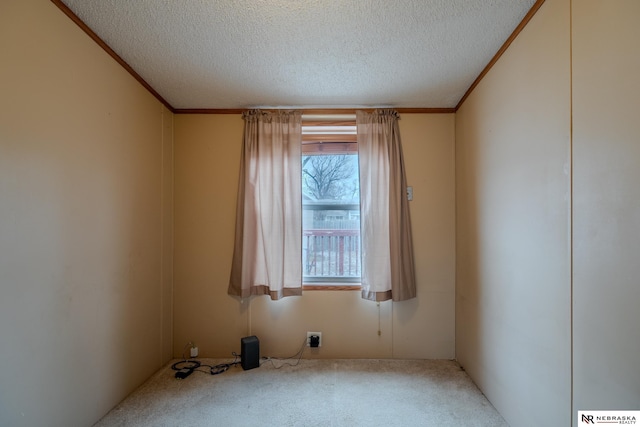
x=222 y=367
x=298 y=355
x=192 y=365
x=188 y=366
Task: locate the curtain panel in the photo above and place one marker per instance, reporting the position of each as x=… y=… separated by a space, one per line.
x=268 y=240
x=388 y=270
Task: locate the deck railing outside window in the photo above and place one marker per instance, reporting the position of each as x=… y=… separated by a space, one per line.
x=331 y=254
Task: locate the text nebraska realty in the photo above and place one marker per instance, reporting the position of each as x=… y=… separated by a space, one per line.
x=608 y=419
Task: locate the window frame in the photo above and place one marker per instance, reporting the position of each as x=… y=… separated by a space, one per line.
x=331 y=141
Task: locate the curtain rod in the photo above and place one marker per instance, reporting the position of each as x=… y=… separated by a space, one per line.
x=319 y=111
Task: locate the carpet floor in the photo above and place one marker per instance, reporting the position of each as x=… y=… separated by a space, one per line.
x=315 y=392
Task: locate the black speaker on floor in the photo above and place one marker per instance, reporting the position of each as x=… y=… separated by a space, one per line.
x=249 y=352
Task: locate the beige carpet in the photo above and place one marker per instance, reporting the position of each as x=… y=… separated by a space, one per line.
x=316 y=392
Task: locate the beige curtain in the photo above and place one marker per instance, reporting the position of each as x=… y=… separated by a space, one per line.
x=268 y=243
x=387 y=250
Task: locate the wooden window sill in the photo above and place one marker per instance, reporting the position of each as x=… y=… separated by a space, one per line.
x=331 y=287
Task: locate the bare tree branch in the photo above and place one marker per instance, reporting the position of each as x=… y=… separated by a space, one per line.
x=329 y=177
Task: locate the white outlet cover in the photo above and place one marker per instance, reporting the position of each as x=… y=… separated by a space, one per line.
x=309 y=334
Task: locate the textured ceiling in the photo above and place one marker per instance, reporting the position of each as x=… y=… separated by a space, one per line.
x=229 y=54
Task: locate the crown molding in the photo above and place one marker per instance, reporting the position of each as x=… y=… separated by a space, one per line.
x=501 y=51
x=84 y=27
x=327 y=111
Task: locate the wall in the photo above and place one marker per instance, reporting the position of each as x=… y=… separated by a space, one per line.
x=547 y=292
x=207 y=158
x=606 y=157
x=85 y=224
x=513 y=293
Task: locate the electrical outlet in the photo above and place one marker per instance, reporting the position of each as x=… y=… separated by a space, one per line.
x=314 y=334
x=194 y=351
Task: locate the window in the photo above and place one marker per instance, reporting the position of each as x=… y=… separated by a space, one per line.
x=331 y=248
x=267 y=254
